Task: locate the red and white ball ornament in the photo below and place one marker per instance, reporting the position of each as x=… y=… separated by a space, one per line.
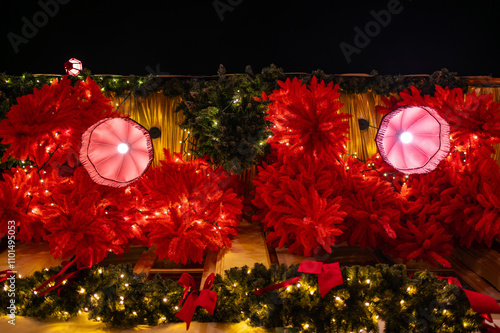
x=73 y=67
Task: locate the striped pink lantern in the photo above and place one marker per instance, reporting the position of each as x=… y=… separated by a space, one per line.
x=413 y=139
x=116 y=151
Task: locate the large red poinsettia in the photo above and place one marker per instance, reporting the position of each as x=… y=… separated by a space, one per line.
x=299 y=204
x=306 y=119
x=190 y=209
x=424 y=239
x=473 y=119
x=470 y=116
x=422 y=234
x=38 y=118
x=84 y=221
x=46 y=126
x=462 y=196
x=407 y=97
x=470 y=207
x=22 y=196
x=373 y=207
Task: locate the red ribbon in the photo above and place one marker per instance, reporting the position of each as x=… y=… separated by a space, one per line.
x=59 y=281
x=8 y=273
x=480 y=303
x=491 y=329
x=205 y=298
x=83 y=261
x=329 y=275
x=278 y=285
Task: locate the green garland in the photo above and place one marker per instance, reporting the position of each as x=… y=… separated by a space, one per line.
x=225 y=121
x=386 y=85
x=13 y=86
x=117 y=296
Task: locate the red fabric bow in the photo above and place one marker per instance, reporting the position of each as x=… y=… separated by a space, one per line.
x=205 y=298
x=480 y=303
x=329 y=275
x=491 y=329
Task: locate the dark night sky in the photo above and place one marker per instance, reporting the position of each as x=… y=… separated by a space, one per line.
x=187 y=37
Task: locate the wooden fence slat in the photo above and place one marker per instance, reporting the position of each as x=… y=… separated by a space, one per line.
x=474 y=280
x=146 y=261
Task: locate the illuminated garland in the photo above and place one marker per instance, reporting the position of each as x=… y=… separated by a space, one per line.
x=117 y=296
x=18 y=85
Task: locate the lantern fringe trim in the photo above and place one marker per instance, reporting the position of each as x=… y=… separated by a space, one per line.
x=89 y=166
x=443 y=151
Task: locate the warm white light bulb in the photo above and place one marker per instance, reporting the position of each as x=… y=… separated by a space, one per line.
x=406 y=137
x=122 y=148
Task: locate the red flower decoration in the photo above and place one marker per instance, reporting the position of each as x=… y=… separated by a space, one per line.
x=84 y=221
x=473 y=119
x=471 y=206
x=373 y=207
x=424 y=240
x=469 y=116
x=307 y=119
x=190 y=208
x=462 y=196
x=300 y=205
x=411 y=97
x=93 y=106
x=37 y=117
x=46 y=126
x=423 y=235
x=22 y=197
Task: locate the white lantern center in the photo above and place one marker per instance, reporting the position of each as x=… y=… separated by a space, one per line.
x=122 y=148
x=406 y=137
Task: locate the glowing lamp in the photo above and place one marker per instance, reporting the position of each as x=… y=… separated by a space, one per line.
x=413 y=139
x=73 y=66
x=122 y=148
x=116 y=151
x=406 y=137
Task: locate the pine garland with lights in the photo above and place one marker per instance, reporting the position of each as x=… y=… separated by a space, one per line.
x=385 y=85
x=226 y=122
x=119 y=297
x=13 y=86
